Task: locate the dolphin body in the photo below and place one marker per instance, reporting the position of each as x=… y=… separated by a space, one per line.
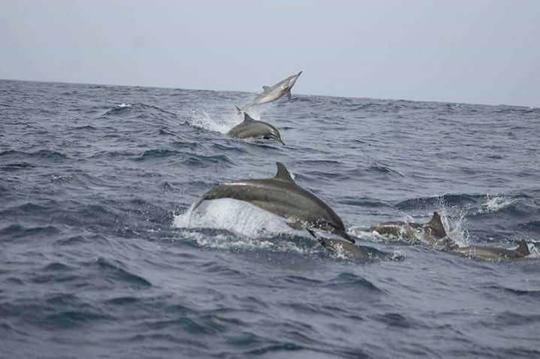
x=429 y=232
x=280 y=195
x=250 y=128
x=352 y=251
x=492 y=253
x=274 y=92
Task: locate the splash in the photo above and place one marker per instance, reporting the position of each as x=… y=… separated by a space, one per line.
x=219 y=123
x=234 y=216
x=454 y=224
x=495 y=203
x=247 y=228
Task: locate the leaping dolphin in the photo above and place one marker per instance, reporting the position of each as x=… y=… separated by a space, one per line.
x=274 y=92
x=280 y=195
x=250 y=128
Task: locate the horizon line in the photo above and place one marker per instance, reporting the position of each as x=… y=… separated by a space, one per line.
x=243 y=91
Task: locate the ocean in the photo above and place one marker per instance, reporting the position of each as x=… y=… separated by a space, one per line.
x=102 y=257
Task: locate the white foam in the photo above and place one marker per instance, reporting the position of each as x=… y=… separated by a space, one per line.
x=219 y=123
x=122 y=105
x=250 y=227
x=234 y=216
x=455 y=227
x=495 y=203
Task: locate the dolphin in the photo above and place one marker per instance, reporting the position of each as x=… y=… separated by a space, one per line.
x=281 y=195
x=351 y=251
x=250 y=128
x=492 y=253
x=274 y=92
x=429 y=232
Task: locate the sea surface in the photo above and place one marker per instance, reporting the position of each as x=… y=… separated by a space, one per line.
x=102 y=257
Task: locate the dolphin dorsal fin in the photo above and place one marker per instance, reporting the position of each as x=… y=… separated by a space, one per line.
x=248 y=118
x=523 y=248
x=282 y=173
x=436 y=225
x=266 y=88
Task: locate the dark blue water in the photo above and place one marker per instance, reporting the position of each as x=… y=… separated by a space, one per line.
x=101 y=256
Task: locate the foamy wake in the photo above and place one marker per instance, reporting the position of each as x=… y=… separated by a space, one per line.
x=250 y=227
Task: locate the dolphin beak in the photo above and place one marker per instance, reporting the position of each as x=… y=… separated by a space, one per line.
x=298 y=75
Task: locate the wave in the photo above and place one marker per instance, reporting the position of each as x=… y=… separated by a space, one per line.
x=15 y=231
x=50 y=155
x=384 y=170
x=461 y=200
x=124 y=108
x=495 y=203
x=114 y=270
x=84 y=128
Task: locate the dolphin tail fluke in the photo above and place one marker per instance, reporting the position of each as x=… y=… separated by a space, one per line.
x=523 y=248
x=437 y=226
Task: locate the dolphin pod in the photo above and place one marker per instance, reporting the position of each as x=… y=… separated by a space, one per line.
x=281 y=196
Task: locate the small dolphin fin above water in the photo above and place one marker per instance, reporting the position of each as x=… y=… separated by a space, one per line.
x=436 y=226
x=248 y=118
x=283 y=173
x=288 y=94
x=522 y=248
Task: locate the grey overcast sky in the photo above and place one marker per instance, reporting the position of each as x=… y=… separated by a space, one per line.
x=475 y=51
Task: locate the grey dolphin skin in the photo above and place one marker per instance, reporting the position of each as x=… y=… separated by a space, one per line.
x=352 y=251
x=274 y=92
x=428 y=232
x=250 y=128
x=280 y=195
x=492 y=253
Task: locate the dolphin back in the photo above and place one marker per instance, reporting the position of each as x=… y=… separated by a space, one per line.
x=351 y=251
x=436 y=226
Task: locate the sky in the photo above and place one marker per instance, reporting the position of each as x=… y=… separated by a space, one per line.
x=477 y=51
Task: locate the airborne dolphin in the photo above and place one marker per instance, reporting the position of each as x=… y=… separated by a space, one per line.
x=250 y=128
x=274 y=92
x=282 y=196
x=428 y=232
